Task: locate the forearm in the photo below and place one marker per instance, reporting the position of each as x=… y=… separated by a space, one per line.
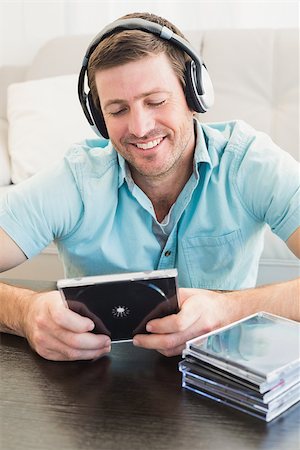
x=14 y=303
x=282 y=299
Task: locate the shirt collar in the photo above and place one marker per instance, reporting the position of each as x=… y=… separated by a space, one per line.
x=201 y=152
x=123 y=171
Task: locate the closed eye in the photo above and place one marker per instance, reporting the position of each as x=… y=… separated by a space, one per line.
x=117 y=113
x=157 y=103
x=123 y=110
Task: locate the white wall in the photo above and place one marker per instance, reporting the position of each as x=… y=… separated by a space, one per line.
x=25 y=25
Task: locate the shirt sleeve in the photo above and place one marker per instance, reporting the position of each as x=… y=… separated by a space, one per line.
x=267 y=180
x=45 y=207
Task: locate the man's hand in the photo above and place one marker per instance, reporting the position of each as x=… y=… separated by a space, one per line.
x=57 y=333
x=201 y=311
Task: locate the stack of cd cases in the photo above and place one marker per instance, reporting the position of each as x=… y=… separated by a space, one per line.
x=252 y=365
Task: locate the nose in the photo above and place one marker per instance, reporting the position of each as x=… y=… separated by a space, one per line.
x=141 y=121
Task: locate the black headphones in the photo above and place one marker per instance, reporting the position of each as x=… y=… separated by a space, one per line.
x=199 y=89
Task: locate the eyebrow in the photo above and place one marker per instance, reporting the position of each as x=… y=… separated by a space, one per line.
x=118 y=101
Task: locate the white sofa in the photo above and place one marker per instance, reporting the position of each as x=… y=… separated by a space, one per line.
x=255 y=75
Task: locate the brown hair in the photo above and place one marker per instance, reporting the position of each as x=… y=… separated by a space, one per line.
x=130 y=45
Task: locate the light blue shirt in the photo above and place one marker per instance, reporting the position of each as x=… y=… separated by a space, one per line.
x=103 y=223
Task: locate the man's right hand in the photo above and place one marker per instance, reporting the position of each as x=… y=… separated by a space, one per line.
x=57 y=333
x=53 y=331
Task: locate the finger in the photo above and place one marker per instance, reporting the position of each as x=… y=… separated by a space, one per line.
x=159 y=341
x=81 y=309
x=172 y=352
x=167 y=341
x=82 y=341
x=67 y=354
x=165 y=324
x=67 y=345
x=70 y=320
x=173 y=323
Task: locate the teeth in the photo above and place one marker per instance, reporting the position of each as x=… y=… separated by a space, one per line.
x=150 y=144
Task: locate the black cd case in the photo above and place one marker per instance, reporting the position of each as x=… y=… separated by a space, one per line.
x=121 y=304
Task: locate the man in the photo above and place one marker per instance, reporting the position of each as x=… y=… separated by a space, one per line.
x=166 y=191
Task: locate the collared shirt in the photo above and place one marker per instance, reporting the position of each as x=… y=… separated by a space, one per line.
x=104 y=223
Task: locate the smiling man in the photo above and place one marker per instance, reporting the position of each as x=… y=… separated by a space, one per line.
x=163 y=190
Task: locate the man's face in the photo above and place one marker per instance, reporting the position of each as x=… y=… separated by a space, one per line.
x=146 y=115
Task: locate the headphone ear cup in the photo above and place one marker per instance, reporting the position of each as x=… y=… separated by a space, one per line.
x=197 y=102
x=190 y=90
x=97 y=116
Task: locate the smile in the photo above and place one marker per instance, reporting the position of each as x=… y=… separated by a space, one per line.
x=150 y=144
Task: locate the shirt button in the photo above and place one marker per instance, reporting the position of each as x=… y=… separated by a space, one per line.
x=167 y=253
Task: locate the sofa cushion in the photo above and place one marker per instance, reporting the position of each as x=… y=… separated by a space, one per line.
x=44 y=118
x=256 y=78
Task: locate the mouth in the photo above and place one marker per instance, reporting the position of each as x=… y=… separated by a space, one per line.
x=148 y=145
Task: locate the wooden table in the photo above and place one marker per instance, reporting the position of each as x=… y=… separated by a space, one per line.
x=130 y=400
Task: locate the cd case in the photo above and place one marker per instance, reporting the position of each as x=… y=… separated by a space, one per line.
x=252 y=365
x=249 y=348
x=121 y=304
x=265 y=412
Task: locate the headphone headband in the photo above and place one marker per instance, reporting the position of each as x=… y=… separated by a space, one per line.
x=199 y=87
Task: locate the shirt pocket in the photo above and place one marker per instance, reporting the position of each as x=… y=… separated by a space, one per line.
x=213 y=261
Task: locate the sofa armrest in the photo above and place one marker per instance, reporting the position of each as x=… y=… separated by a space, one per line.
x=8 y=75
x=5 y=178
